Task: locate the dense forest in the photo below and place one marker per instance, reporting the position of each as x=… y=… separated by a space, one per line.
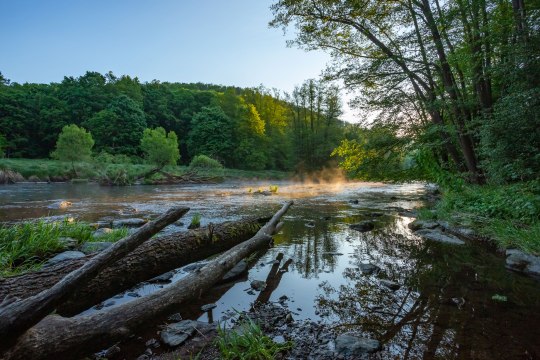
x=457 y=81
x=254 y=129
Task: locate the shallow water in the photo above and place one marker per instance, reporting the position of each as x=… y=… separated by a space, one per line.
x=443 y=309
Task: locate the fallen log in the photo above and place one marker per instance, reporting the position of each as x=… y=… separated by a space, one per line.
x=67 y=338
x=17 y=316
x=153 y=258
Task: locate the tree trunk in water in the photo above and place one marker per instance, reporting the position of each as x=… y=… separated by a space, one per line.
x=17 y=316
x=67 y=338
x=151 y=259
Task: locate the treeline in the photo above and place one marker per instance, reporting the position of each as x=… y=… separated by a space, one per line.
x=255 y=128
x=459 y=79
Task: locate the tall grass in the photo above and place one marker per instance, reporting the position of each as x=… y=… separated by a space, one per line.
x=25 y=246
x=248 y=342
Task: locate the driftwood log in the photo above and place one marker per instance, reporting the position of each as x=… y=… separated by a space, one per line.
x=16 y=316
x=67 y=338
x=151 y=259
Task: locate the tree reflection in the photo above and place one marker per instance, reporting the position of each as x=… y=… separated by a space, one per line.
x=444 y=307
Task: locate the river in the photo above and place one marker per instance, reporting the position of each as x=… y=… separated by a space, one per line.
x=444 y=308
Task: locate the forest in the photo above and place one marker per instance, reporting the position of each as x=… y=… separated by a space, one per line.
x=251 y=129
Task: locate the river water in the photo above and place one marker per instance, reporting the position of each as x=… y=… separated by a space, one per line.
x=444 y=308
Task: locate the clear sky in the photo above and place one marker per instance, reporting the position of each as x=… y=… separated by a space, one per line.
x=213 y=41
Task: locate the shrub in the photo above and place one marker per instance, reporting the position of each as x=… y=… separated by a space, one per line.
x=204 y=162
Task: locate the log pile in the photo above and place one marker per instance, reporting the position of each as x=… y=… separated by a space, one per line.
x=29 y=331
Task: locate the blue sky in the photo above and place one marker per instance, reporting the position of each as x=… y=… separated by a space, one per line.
x=214 y=41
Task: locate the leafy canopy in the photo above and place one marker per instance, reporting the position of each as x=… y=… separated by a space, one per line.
x=159 y=147
x=74 y=144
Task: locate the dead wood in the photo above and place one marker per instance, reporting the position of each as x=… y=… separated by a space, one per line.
x=17 y=316
x=63 y=338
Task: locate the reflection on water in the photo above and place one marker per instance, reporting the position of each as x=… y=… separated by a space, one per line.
x=443 y=309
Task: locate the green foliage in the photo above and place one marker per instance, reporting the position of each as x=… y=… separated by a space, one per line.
x=374 y=154
x=248 y=343
x=510 y=138
x=74 y=144
x=211 y=134
x=204 y=162
x=24 y=246
x=112 y=236
x=118 y=129
x=3 y=144
x=159 y=147
x=195 y=221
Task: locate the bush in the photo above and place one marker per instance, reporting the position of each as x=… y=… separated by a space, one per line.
x=159 y=147
x=204 y=162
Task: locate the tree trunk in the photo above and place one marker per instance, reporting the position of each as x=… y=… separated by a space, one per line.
x=67 y=338
x=17 y=316
x=151 y=259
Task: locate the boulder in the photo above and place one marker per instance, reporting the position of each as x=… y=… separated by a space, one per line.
x=519 y=261
x=363 y=226
x=258 y=285
x=68 y=243
x=95 y=246
x=434 y=235
x=422 y=224
x=354 y=346
x=131 y=222
x=175 y=334
x=101 y=231
x=66 y=255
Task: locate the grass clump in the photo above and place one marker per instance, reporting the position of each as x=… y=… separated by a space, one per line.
x=25 y=246
x=195 y=221
x=204 y=162
x=248 y=342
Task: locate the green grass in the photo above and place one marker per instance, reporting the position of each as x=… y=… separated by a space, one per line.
x=509 y=214
x=248 y=342
x=47 y=168
x=25 y=246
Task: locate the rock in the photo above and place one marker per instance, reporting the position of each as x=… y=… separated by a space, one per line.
x=208 y=307
x=68 y=243
x=283 y=298
x=289 y=318
x=422 y=224
x=237 y=271
x=355 y=201
x=60 y=205
x=163 y=278
x=133 y=294
x=108 y=303
x=435 y=235
x=369 y=269
x=101 y=231
x=175 y=334
x=95 y=246
x=350 y=345
x=310 y=224
x=390 y=284
x=363 y=226
x=66 y=255
x=519 y=261
x=258 y=285
x=375 y=214
x=194 y=266
x=278 y=339
x=407 y=213
x=176 y=317
x=152 y=343
x=131 y=222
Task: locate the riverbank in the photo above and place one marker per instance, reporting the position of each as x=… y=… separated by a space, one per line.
x=507 y=214
x=47 y=170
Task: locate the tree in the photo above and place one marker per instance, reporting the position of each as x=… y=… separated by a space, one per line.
x=118 y=128
x=3 y=144
x=211 y=135
x=159 y=147
x=74 y=144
